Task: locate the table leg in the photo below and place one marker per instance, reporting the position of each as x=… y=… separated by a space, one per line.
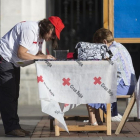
x=108 y=123
x=57 y=132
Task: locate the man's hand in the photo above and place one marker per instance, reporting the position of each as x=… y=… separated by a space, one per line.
x=22 y=54
x=46 y=56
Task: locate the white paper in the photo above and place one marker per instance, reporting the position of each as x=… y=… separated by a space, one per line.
x=52 y=108
x=70 y=83
x=81 y=88
x=67 y=107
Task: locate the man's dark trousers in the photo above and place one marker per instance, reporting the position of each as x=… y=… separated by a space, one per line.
x=9 y=93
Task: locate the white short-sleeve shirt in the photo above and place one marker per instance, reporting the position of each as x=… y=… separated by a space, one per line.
x=25 y=34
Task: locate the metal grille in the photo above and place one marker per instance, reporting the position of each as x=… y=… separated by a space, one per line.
x=81 y=18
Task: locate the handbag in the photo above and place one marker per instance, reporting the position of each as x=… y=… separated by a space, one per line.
x=92 y=51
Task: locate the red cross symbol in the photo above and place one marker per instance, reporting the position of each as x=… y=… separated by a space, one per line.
x=66 y=105
x=66 y=81
x=97 y=80
x=39 y=79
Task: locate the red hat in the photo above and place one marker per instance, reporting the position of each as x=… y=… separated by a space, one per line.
x=57 y=22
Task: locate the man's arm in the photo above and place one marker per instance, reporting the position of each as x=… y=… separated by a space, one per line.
x=22 y=54
x=40 y=52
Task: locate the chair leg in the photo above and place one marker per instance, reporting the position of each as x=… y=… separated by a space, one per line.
x=126 y=114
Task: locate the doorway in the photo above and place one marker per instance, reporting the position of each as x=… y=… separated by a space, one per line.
x=81 y=18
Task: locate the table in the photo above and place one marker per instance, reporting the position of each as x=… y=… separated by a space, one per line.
x=106 y=127
x=75 y=82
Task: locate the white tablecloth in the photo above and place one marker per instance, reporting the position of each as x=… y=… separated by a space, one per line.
x=74 y=82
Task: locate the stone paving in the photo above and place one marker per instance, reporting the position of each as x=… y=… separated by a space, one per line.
x=42 y=130
x=32 y=119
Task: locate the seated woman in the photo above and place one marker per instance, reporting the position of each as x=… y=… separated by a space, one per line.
x=126 y=79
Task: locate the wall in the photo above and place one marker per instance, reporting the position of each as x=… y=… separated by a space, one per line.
x=12 y=12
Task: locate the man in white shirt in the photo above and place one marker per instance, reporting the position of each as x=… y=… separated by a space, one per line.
x=23 y=42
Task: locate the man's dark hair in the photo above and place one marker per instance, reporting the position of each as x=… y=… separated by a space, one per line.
x=44 y=27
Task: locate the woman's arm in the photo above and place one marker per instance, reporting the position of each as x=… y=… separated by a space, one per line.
x=22 y=54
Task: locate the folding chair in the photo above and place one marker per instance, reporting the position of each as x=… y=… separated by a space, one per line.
x=127 y=111
x=129 y=106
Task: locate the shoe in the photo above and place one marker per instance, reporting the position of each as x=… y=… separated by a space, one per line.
x=100 y=123
x=27 y=133
x=116 y=118
x=85 y=120
x=94 y=124
x=16 y=133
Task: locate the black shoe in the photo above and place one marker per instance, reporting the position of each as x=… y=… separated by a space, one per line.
x=100 y=123
x=16 y=133
x=27 y=133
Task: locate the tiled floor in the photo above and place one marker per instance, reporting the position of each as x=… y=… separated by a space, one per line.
x=42 y=130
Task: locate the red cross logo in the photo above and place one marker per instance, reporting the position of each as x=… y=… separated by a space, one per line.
x=65 y=105
x=39 y=79
x=97 y=80
x=66 y=81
